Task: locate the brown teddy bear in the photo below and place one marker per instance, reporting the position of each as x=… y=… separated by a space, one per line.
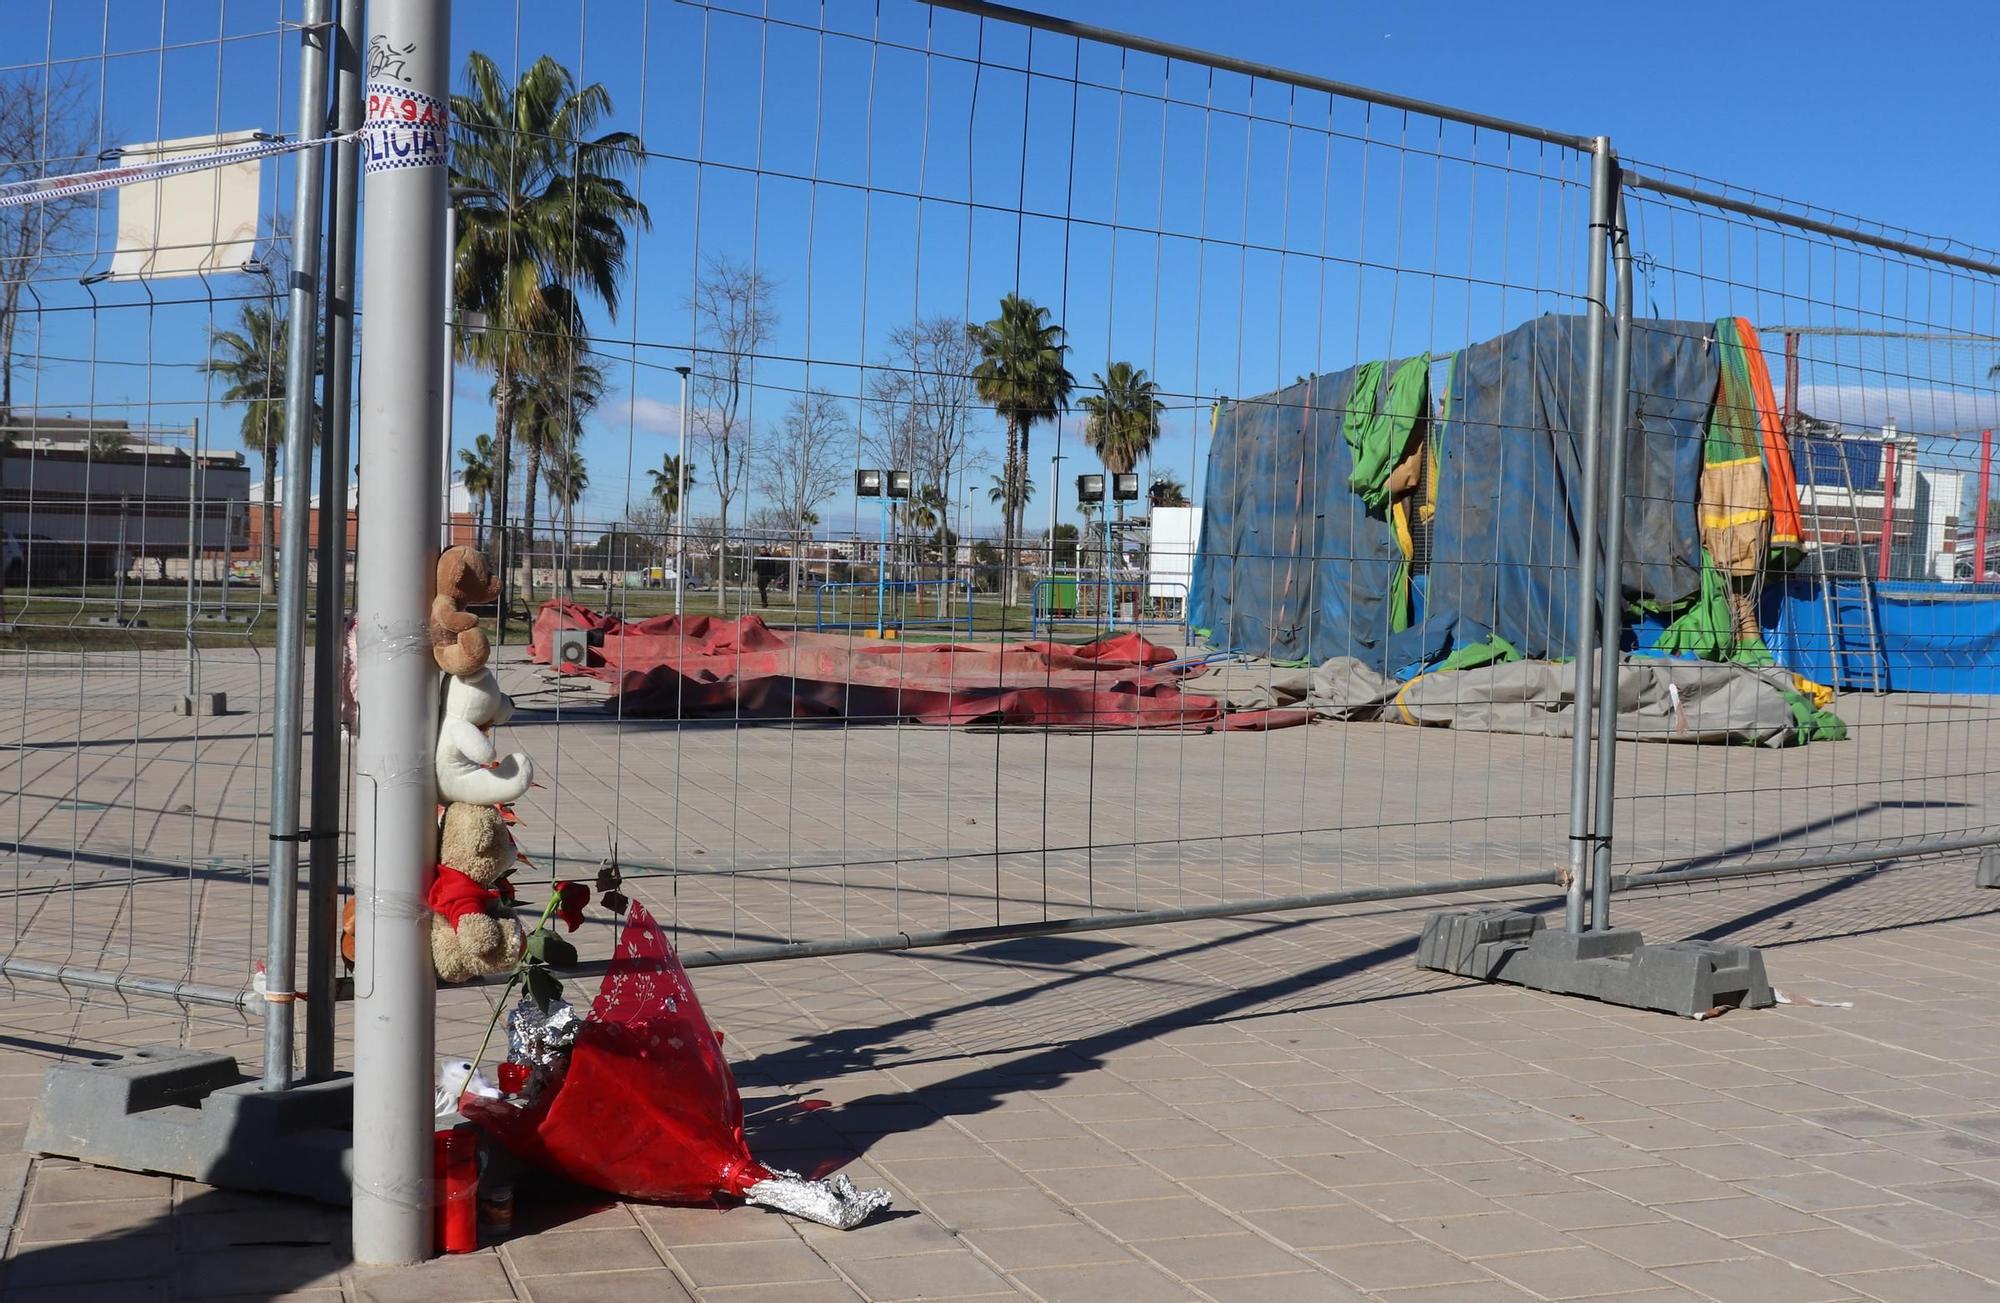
x=471 y=931
x=457 y=641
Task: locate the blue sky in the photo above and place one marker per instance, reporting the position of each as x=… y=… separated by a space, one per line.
x=1225 y=236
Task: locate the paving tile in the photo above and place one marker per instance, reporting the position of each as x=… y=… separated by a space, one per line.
x=1374 y=1267
x=927 y=1276
x=1582 y=1211
x=1743 y=1216
x=1571 y=1273
x=465 y=1278
x=675 y=1226
x=1911 y=1225
x=1664 y=1244
x=557 y=1255
x=1966 y=1198
x=994 y=1209
x=262 y=1270
x=1139 y=1220
x=1083 y=1185
x=1483 y=1291
x=46 y=1223
x=1430 y=1197
x=1922 y=1285
x=1832 y=1252
x=1487 y=1234
x=1050 y=1246
x=1205 y=1257
x=1290 y=1287
x=1324 y=1226
x=57 y=1184
x=823 y=1291
x=136 y=1291
x=1765 y=1280
x=1980 y=1257
x=1121 y=1283
x=1820 y=1192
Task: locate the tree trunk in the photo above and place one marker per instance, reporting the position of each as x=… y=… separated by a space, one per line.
x=569 y=549
x=503 y=436
x=1010 y=477
x=479 y=524
x=267 y=540
x=528 y=515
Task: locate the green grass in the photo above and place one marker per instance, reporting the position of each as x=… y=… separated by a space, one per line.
x=45 y=620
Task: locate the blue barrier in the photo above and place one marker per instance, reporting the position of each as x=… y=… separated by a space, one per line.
x=1057 y=601
x=893 y=606
x=1936 y=636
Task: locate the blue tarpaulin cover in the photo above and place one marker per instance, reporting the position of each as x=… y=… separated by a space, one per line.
x=1292 y=565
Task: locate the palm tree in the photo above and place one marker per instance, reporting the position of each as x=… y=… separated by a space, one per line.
x=999 y=496
x=1124 y=419
x=1168 y=491
x=667 y=482
x=557 y=390
x=1021 y=375
x=106 y=440
x=545 y=212
x=475 y=471
x=251 y=360
x=567 y=478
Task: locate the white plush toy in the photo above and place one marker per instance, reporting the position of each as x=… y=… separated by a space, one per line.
x=469 y=769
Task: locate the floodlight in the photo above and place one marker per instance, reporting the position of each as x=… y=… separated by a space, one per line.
x=867 y=484
x=899 y=484
x=1125 y=487
x=1090 y=488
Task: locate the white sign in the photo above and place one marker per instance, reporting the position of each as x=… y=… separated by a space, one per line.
x=193 y=224
x=1176 y=534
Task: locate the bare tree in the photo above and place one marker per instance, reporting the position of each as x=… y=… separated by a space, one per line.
x=806 y=466
x=734 y=318
x=922 y=402
x=47 y=128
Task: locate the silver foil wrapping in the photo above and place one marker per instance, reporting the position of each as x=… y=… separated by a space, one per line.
x=831 y=1202
x=541 y=1040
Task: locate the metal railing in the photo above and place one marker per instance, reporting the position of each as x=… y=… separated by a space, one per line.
x=1259 y=244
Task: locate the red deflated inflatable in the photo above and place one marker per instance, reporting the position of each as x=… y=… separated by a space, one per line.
x=646 y=1107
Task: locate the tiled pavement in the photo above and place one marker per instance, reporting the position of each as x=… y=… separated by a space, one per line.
x=1267 y=1109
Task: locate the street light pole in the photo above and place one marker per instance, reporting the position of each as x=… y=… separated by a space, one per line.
x=450 y=340
x=680 y=498
x=395 y=817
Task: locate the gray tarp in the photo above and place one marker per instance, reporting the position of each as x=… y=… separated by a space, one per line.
x=1658 y=700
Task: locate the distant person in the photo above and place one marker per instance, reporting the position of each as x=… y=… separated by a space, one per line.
x=766 y=569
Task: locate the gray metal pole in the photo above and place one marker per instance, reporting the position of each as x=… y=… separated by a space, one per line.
x=402 y=379
x=680 y=498
x=1584 y=631
x=301 y=348
x=197 y=486
x=330 y=612
x=450 y=333
x=1613 y=602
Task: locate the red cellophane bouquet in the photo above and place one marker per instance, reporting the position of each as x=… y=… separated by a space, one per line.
x=644 y=1105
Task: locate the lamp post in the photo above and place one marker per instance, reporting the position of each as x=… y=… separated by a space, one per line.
x=680 y=498
x=1090 y=489
x=882 y=486
x=1124 y=488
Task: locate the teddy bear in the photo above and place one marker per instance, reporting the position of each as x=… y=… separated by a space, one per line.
x=471 y=931
x=457 y=642
x=469 y=767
